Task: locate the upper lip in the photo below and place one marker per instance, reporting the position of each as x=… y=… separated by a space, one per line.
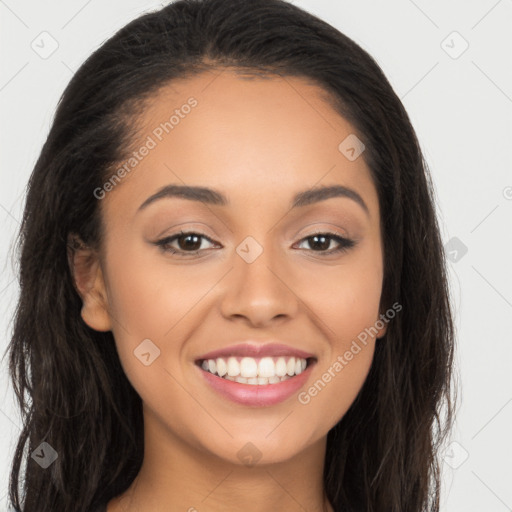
x=256 y=349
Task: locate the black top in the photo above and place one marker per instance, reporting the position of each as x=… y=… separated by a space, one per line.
x=100 y=508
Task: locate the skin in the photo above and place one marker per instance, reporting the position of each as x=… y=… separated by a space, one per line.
x=258 y=141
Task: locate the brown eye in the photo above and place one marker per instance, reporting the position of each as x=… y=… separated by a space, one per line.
x=190 y=242
x=320 y=242
x=187 y=243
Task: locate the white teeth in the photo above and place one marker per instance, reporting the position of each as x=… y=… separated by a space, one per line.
x=281 y=367
x=248 y=367
x=266 y=367
x=290 y=366
x=222 y=368
x=248 y=370
x=233 y=367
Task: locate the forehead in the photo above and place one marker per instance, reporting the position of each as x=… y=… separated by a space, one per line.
x=247 y=135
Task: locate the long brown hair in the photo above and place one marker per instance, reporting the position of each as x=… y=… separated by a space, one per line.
x=383 y=454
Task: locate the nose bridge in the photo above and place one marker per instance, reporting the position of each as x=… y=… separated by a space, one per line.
x=256 y=257
x=257 y=286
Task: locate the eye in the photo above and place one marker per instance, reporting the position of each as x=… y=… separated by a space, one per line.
x=188 y=243
x=322 y=240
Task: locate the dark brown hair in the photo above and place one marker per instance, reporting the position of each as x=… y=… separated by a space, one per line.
x=383 y=454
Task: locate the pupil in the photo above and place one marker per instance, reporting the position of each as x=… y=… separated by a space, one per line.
x=197 y=243
x=324 y=244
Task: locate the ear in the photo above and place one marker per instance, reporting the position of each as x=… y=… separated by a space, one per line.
x=381 y=333
x=88 y=279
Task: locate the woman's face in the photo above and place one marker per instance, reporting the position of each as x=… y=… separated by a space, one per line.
x=252 y=270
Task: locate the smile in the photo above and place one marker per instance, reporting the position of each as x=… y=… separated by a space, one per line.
x=255 y=371
x=257 y=382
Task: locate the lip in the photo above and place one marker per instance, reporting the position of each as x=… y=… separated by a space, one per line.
x=256 y=349
x=257 y=395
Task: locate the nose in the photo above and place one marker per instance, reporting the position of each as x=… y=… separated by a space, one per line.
x=260 y=292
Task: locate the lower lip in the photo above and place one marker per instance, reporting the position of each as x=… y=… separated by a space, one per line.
x=257 y=395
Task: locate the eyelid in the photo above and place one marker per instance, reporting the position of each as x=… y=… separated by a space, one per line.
x=190 y=228
x=321 y=227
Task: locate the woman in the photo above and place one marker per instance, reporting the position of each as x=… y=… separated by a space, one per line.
x=233 y=290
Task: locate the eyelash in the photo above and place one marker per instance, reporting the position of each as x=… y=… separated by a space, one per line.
x=345 y=243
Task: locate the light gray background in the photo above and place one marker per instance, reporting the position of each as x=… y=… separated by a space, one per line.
x=461 y=108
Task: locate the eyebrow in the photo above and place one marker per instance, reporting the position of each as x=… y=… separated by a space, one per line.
x=214 y=197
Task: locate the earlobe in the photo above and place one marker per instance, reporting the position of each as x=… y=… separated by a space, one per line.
x=382 y=332
x=89 y=283
x=384 y=329
x=95 y=306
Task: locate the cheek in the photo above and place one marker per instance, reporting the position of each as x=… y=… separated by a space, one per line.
x=152 y=299
x=146 y=302
x=346 y=303
x=345 y=298
x=146 y=299
x=336 y=386
x=348 y=310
